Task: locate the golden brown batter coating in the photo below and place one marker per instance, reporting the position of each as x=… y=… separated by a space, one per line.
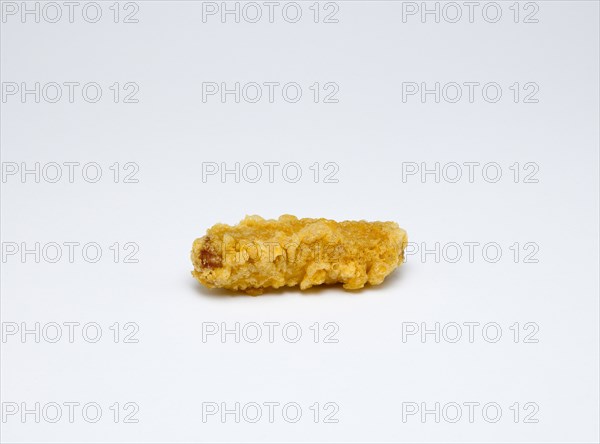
x=258 y=253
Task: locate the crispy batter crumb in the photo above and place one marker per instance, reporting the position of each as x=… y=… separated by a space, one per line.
x=257 y=254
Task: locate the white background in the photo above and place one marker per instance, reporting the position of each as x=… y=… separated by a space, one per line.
x=370 y=134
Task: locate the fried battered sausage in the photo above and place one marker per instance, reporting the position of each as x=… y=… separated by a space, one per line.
x=258 y=253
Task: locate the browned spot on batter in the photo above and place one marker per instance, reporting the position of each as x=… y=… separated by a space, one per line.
x=209 y=257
